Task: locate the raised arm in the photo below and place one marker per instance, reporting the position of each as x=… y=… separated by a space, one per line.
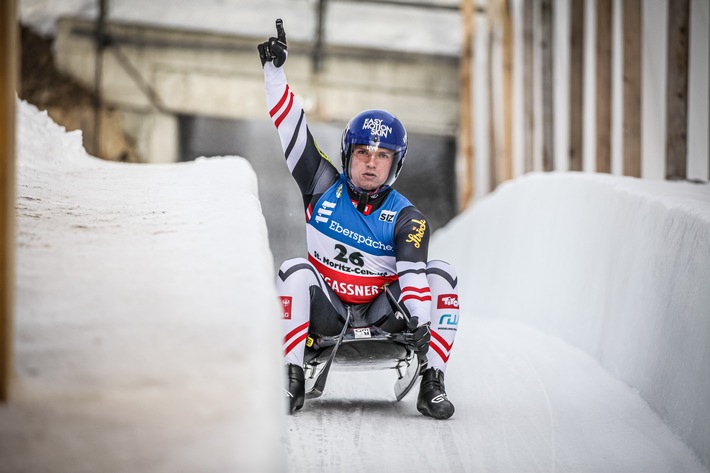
x=311 y=169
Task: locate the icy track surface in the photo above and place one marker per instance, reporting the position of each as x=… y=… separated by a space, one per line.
x=525 y=402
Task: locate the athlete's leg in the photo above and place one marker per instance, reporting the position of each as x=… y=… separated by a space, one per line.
x=301 y=288
x=308 y=302
x=443 y=283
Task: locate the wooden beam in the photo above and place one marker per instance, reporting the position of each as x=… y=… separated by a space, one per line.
x=8 y=86
x=466 y=100
x=529 y=83
x=98 y=77
x=603 y=93
x=632 y=85
x=677 y=89
x=500 y=86
x=548 y=99
x=506 y=167
x=576 y=85
x=317 y=55
x=493 y=102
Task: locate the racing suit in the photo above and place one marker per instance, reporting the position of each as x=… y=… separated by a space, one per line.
x=357 y=242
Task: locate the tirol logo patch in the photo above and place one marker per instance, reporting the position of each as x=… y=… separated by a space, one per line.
x=286 y=303
x=387 y=216
x=448 y=301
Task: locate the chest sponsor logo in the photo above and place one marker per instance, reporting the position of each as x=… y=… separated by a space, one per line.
x=418 y=234
x=361 y=239
x=286 y=302
x=325 y=211
x=387 y=216
x=448 y=301
x=344 y=267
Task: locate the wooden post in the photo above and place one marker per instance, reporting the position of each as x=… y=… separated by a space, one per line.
x=603 y=93
x=493 y=102
x=576 y=84
x=506 y=165
x=98 y=76
x=317 y=66
x=677 y=89
x=548 y=99
x=8 y=86
x=633 y=83
x=466 y=118
x=500 y=97
x=529 y=83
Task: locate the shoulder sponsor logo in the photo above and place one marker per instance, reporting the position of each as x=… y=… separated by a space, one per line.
x=339 y=192
x=286 y=302
x=387 y=216
x=448 y=301
x=324 y=211
x=418 y=234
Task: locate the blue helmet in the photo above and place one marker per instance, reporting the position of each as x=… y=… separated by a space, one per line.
x=375 y=128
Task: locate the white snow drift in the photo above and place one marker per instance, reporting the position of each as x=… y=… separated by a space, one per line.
x=617 y=266
x=145 y=315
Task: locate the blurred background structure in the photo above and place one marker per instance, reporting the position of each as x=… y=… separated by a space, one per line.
x=488 y=89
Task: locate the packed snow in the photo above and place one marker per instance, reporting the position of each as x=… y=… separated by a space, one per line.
x=145 y=314
x=147 y=332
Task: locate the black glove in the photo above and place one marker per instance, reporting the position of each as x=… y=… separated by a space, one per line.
x=275 y=48
x=418 y=336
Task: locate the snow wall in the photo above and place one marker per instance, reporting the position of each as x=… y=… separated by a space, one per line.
x=617 y=266
x=145 y=313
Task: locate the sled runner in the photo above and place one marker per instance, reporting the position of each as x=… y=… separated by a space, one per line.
x=359 y=349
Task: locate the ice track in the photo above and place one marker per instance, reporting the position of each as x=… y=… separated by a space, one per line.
x=525 y=402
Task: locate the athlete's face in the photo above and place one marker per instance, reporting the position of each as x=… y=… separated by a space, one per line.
x=370 y=166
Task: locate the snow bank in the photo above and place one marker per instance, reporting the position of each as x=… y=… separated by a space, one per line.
x=619 y=267
x=145 y=315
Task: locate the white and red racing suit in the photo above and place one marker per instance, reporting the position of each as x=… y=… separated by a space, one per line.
x=357 y=243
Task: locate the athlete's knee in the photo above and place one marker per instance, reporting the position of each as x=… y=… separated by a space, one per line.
x=293 y=265
x=444 y=270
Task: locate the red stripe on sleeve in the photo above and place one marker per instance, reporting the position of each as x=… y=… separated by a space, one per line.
x=273 y=111
x=283 y=115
